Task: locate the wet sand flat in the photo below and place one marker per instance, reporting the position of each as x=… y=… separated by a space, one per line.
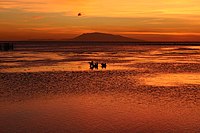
x=143 y=89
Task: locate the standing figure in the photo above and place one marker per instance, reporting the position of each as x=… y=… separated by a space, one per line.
x=96 y=65
x=91 y=65
x=103 y=65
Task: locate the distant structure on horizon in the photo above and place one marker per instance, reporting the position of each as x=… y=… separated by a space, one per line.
x=103 y=37
x=6 y=46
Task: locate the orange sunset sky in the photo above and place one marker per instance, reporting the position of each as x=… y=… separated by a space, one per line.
x=154 y=20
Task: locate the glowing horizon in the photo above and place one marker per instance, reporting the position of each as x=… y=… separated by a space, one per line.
x=147 y=20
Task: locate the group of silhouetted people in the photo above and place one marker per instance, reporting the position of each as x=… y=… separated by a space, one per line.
x=95 y=65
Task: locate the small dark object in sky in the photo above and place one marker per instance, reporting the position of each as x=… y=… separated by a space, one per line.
x=79 y=14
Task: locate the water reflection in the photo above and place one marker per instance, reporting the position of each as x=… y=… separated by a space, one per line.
x=99 y=113
x=126 y=56
x=142 y=89
x=177 y=79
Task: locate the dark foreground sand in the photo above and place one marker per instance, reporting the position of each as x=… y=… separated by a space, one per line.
x=21 y=86
x=95 y=101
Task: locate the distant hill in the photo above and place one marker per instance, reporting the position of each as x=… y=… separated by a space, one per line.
x=96 y=36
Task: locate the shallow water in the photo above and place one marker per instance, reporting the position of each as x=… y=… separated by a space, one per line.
x=143 y=89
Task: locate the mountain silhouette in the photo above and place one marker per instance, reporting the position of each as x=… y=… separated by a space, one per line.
x=96 y=36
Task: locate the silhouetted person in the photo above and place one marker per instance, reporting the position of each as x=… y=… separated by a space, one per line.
x=96 y=65
x=103 y=65
x=91 y=64
x=91 y=68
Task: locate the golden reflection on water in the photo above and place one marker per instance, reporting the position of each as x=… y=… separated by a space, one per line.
x=173 y=79
x=30 y=56
x=10 y=64
x=66 y=66
x=100 y=113
x=144 y=90
x=34 y=61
